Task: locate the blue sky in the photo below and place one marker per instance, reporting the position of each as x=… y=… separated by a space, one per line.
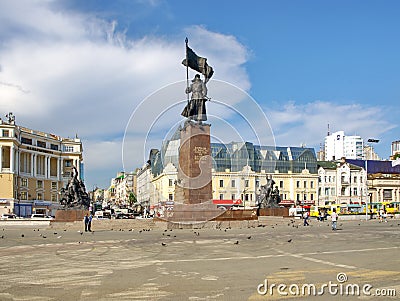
x=305 y=63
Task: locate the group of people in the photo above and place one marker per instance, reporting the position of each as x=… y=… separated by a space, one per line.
x=334 y=217
x=382 y=215
x=88 y=222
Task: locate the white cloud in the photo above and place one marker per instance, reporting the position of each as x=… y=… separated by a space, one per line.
x=295 y=124
x=65 y=72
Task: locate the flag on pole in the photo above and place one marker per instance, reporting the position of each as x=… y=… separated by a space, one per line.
x=396 y=162
x=198 y=63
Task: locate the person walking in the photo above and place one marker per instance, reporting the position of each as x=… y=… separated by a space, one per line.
x=306 y=216
x=90 y=223
x=86 y=220
x=334 y=217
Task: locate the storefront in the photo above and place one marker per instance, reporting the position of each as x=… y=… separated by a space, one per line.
x=23 y=208
x=42 y=207
x=6 y=206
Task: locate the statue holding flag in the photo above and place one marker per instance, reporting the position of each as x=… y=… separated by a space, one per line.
x=196 y=106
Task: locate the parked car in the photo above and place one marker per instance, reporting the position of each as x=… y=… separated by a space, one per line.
x=40 y=216
x=5 y=216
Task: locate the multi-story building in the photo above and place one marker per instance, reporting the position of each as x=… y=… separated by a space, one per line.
x=383 y=180
x=238 y=171
x=34 y=166
x=346 y=182
x=124 y=185
x=338 y=145
x=395 y=149
x=341 y=183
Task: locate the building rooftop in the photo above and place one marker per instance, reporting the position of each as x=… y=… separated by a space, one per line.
x=375 y=166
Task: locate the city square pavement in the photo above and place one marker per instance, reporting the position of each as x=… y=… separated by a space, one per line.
x=202 y=264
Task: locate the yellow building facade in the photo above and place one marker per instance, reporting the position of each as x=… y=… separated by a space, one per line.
x=294 y=188
x=34 y=166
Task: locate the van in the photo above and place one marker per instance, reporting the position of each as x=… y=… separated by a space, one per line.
x=40 y=216
x=297 y=212
x=102 y=215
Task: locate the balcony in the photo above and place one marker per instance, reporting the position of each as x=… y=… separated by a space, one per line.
x=345 y=182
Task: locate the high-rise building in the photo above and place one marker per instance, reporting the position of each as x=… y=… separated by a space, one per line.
x=338 y=145
x=34 y=166
x=395 y=148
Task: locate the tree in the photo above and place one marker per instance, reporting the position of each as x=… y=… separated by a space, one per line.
x=132 y=199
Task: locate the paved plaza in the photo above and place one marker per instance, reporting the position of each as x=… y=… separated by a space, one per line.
x=202 y=264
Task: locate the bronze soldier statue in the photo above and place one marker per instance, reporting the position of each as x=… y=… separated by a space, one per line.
x=196 y=107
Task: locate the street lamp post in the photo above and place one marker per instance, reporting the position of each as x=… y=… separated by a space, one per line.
x=367 y=196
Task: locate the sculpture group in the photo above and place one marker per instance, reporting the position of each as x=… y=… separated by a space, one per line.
x=74 y=195
x=269 y=196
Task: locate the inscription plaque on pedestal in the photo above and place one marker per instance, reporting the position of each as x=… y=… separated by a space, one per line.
x=194 y=183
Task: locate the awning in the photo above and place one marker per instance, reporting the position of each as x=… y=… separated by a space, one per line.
x=286 y=202
x=41 y=203
x=227 y=202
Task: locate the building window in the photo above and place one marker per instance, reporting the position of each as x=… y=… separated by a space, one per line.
x=221 y=183
x=39 y=184
x=297 y=197
x=39 y=196
x=246 y=197
x=40 y=165
x=355 y=179
x=54 y=185
x=68 y=163
x=68 y=148
x=312 y=184
x=305 y=197
x=54 y=197
x=41 y=144
x=326 y=191
x=53 y=167
x=233 y=183
x=257 y=183
x=233 y=196
x=298 y=184
x=25 y=162
x=246 y=183
x=170 y=197
x=170 y=182
x=24 y=182
x=280 y=184
x=26 y=141
x=354 y=190
x=387 y=194
x=305 y=184
x=312 y=197
x=6 y=133
x=24 y=195
x=221 y=196
x=54 y=147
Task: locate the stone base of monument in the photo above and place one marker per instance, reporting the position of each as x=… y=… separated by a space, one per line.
x=192 y=213
x=274 y=212
x=70 y=215
x=238 y=215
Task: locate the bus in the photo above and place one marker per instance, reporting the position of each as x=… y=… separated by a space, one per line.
x=325 y=210
x=390 y=207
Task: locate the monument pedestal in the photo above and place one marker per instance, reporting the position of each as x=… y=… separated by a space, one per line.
x=70 y=215
x=193 y=190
